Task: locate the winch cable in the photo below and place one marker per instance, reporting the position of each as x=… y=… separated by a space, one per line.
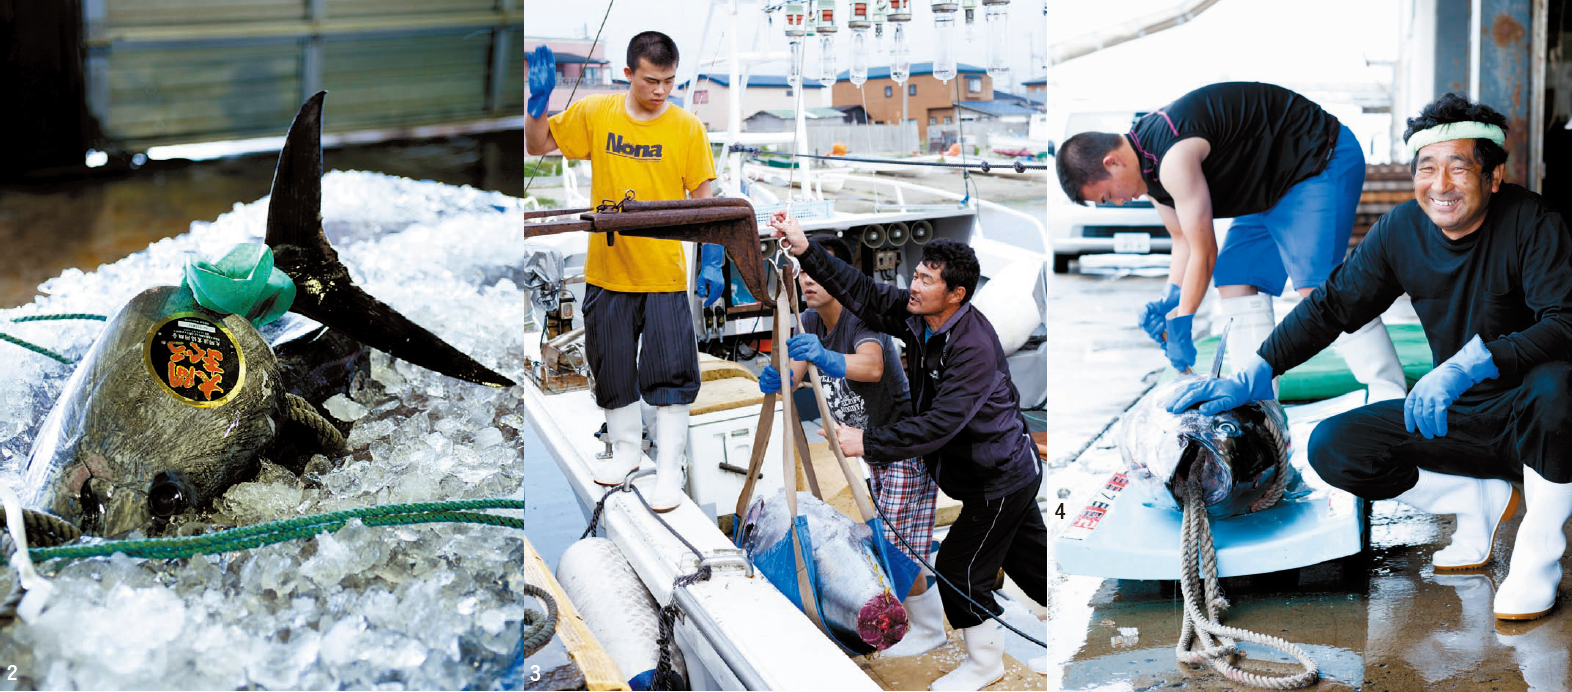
x=40 y=350
x=1201 y=617
x=587 y=56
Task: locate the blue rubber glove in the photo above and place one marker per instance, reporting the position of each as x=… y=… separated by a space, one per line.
x=1180 y=349
x=808 y=347
x=770 y=380
x=1253 y=382
x=1425 y=407
x=1154 y=317
x=711 y=283
x=542 y=79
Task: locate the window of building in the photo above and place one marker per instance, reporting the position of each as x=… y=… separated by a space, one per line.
x=974 y=85
x=933 y=121
x=888 y=92
x=911 y=89
x=947 y=120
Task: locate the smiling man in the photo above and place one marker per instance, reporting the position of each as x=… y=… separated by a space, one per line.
x=637 y=287
x=1287 y=172
x=967 y=426
x=1489 y=269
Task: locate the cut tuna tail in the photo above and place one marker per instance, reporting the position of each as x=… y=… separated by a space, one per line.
x=324 y=290
x=882 y=621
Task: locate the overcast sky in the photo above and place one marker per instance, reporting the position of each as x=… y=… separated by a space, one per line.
x=684 y=21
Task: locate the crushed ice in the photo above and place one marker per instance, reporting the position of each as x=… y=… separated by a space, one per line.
x=430 y=606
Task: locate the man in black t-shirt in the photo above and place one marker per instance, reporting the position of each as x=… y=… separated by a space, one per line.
x=1287 y=172
x=1488 y=266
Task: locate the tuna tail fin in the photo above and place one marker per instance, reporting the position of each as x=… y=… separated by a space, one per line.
x=324 y=290
x=1222 y=347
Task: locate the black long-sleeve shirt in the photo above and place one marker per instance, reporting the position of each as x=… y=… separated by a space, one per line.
x=1510 y=282
x=967 y=425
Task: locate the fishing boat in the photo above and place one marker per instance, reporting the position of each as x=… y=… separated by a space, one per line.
x=737 y=630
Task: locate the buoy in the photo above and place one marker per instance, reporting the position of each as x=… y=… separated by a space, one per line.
x=1006 y=300
x=616 y=607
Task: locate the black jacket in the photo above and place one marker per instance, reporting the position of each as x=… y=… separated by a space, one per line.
x=967 y=426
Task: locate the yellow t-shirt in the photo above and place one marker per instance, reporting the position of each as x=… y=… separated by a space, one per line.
x=658 y=159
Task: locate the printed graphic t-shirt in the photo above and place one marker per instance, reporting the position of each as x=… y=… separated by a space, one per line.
x=861 y=405
x=658 y=159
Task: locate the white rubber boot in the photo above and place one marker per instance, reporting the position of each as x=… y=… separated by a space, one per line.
x=925 y=612
x=1535 y=573
x=671 y=432
x=1252 y=323
x=1038 y=665
x=1481 y=506
x=625 y=429
x=984 y=664
x=1372 y=359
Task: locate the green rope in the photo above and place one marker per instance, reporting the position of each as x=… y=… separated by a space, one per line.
x=258 y=535
x=62 y=316
x=35 y=348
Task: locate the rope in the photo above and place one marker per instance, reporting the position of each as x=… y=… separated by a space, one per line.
x=537 y=630
x=45 y=529
x=35 y=348
x=257 y=535
x=61 y=316
x=301 y=411
x=1196 y=635
x=666 y=677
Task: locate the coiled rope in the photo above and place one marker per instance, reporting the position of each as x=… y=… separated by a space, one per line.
x=301 y=411
x=537 y=630
x=1196 y=636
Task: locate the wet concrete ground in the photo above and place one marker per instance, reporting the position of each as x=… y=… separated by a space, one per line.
x=48 y=227
x=1380 y=621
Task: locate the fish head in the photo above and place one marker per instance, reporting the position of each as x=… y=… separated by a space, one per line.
x=1232 y=455
x=125 y=446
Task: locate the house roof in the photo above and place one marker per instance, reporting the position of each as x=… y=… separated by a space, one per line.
x=1039 y=80
x=917 y=68
x=1038 y=99
x=810 y=114
x=997 y=109
x=767 y=81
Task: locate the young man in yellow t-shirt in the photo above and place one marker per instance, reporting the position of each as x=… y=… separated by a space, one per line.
x=637 y=286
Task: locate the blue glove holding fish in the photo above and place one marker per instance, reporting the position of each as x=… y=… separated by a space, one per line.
x=1425 y=407
x=1154 y=317
x=711 y=282
x=1180 y=349
x=542 y=79
x=1252 y=382
x=770 y=380
x=808 y=347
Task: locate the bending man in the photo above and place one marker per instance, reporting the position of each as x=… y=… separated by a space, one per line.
x=865 y=387
x=967 y=427
x=1287 y=171
x=1489 y=268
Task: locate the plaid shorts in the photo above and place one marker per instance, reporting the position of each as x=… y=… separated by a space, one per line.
x=906 y=494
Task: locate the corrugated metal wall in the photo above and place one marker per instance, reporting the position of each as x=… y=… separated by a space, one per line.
x=167 y=71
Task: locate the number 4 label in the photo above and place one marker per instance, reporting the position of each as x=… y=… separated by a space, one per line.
x=1060 y=511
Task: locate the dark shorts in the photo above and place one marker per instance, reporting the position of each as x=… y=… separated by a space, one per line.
x=640 y=344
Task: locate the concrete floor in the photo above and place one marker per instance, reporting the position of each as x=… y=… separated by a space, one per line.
x=1381 y=621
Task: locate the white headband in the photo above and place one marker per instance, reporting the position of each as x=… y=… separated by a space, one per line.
x=1448 y=131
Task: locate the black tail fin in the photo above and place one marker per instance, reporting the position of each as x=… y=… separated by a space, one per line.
x=323 y=290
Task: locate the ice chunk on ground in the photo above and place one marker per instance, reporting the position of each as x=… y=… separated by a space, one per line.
x=344 y=408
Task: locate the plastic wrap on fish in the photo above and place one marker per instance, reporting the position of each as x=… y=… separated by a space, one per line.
x=854 y=594
x=1236 y=455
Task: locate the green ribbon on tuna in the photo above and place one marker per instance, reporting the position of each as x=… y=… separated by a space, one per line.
x=243 y=282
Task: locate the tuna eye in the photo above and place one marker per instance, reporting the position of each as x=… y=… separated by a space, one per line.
x=165 y=498
x=1227 y=428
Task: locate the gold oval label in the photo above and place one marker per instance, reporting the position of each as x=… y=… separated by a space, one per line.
x=196 y=360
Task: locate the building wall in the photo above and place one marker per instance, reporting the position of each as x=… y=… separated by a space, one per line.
x=933 y=97
x=716 y=100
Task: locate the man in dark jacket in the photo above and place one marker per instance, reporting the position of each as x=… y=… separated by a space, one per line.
x=968 y=429
x=1489 y=268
